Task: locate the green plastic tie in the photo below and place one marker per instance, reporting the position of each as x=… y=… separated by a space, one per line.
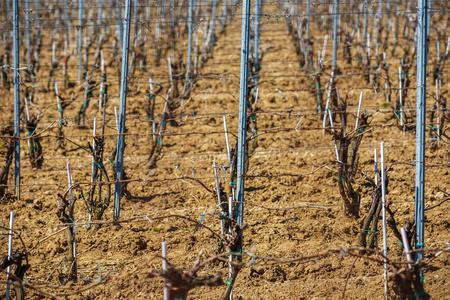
x=231 y=182
x=236 y=252
x=60 y=109
x=253 y=117
x=230 y=282
x=436 y=128
x=201 y=219
x=423 y=282
x=150 y=119
x=32 y=149
x=340 y=178
x=103 y=91
x=162 y=123
x=97 y=164
x=362 y=131
x=417 y=294
x=368 y=230
x=85 y=103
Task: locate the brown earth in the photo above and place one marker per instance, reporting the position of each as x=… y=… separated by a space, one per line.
x=295 y=167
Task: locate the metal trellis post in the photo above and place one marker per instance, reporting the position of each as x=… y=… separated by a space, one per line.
x=189 y=55
x=365 y=31
x=256 y=37
x=80 y=37
x=430 y=4
x=213 y=26
x=122 y=108
x=335 y=30
x=100 y=13
x=243 y=98
x=120 y=22
x=308 y=11
x=422 y=16
x=8 y=10
x=380 y=16
x=16 y=97
x=135 y=19
x=36 y=11
x=189 y=58
x=27 y=10
x=224 y=14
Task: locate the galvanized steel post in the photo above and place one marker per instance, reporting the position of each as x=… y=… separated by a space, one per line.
x=308 y=12
x=120 y=22
x=36 y=11
x=256 y=40
x=243 y=98
x=422 y=15
x=16 y=97
x=430 y=5
x=27 y=11
x=189 y=55
x=335 y=30
x=122 y=108
x=213 y=26
x=365 y=58
x=80 y=37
